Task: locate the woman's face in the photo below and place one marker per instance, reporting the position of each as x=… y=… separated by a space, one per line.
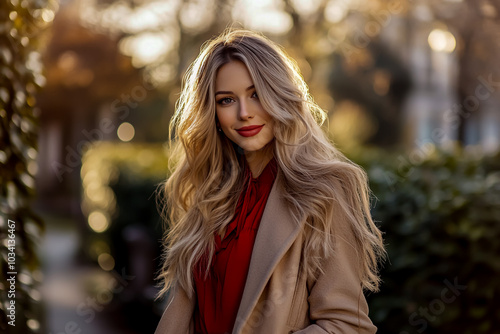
x=238 y=107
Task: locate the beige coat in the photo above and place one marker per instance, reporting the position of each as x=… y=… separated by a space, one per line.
x=276 y=300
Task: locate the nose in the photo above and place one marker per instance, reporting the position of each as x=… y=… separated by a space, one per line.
x=244 y=110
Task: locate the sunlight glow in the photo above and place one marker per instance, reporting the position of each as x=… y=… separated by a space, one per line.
x=262 y=15
x=306 y=7
x=197 y=16
x=335 y=11
x=442 y=41
x=146 y=48
x=141 y=20
x=48 y=15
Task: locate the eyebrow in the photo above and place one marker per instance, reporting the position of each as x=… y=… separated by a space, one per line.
x=229 y=92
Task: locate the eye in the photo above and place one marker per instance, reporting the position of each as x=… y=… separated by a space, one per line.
x=254 y=95
x=225 y=101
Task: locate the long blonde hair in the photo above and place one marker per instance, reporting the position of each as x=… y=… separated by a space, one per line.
x=206 y=174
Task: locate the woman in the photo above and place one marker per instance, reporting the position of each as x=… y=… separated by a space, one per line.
x=270 y=229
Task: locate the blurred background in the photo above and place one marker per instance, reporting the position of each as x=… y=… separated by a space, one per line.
x=87 y=88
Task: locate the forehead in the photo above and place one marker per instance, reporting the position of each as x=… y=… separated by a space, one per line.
x=233 y=76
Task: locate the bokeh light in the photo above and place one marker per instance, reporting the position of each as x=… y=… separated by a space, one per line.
x=125 y=132
x=147 y=47
x=263 y=15
x=335 y=11
x=98 y=221
x=106 y=261
x=48 y=15
x=442 y=41
x=33 y=324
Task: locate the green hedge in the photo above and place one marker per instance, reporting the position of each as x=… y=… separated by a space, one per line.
x=440 y=212
x=119 y=182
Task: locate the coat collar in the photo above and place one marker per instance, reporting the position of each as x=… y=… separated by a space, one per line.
x=275 y=235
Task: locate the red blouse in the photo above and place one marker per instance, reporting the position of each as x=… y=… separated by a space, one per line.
x=218 y=297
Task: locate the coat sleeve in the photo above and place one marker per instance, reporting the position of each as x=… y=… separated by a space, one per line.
x=178 y=315
x=336 y=300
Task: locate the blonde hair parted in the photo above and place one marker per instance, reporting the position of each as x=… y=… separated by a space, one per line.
x=202 y=191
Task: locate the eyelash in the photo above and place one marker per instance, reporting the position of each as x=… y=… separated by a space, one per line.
x=221 y=101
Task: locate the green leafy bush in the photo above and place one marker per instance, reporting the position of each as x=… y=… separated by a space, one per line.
x=22 y=24
x=440 y=212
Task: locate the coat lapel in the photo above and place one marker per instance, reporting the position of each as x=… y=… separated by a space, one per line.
x=276 y=234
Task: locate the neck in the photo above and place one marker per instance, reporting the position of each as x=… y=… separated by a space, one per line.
x=257 y=160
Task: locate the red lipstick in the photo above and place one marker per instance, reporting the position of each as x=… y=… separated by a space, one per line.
x=249 y=131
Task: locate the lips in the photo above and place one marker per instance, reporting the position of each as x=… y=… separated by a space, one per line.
x=251 y=127
x=249 y=131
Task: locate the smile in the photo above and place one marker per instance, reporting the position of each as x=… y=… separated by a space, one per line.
x=250 y=133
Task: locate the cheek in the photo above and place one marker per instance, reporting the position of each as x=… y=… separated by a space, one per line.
x=266 y=116
x=270 y=133
x=269 y=120
x=224 y=118
x=270 y=123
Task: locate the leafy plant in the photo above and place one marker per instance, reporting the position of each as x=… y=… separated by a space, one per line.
x=20 y=26
x=440 y=214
